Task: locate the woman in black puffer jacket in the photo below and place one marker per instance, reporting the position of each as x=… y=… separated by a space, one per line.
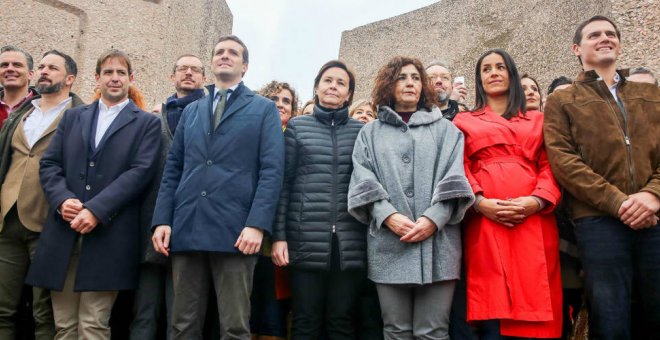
x=314 y=235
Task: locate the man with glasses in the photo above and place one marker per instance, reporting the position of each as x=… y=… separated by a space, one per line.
x=155 y=283
x=439 y=74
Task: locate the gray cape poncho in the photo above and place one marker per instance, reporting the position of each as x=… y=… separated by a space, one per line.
x=415 y=169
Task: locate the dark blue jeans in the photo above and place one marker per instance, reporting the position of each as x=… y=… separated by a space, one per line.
x=618 y=261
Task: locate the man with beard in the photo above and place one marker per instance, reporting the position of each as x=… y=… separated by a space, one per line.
x=24 y=138
x=439 y=74
x=15 y=75
x=155 y=283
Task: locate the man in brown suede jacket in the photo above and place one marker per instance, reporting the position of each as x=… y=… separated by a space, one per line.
x=603 y=141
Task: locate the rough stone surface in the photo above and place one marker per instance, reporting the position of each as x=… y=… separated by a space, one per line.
x=537 y=33
x=152 y=32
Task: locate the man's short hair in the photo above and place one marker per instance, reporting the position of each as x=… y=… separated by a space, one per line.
x=440 y=63
x=246 y=55
x=558 y=82
x=114 y=53
x=12 y=48
x=577 y=38
x=187 y=55
x=69 y=64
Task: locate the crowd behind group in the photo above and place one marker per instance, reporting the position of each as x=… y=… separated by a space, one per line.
x=408 y=215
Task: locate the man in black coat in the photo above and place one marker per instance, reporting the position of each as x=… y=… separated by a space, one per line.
x=94 y=171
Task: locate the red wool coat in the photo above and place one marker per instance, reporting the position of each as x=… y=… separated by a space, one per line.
x=512 y=273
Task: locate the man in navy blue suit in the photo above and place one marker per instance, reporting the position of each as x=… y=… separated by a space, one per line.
x=93 y=174
x=218 y=196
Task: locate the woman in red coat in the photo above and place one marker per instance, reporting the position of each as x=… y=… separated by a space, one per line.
x=511 y=239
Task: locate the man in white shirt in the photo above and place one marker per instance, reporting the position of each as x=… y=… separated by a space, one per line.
x=23 y=140
x=93 y=174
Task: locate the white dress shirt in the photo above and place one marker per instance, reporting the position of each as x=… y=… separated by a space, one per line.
x=106 y=117
x=613 y=88
x=38 y=121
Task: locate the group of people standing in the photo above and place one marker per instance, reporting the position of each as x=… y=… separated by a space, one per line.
x=448 y=212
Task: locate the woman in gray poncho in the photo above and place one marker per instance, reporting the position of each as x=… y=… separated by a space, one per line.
x=409 y=186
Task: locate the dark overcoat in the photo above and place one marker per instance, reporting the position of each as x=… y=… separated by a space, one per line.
x=219 y=180
x=109 y=182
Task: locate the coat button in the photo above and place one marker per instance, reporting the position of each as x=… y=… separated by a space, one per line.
x=203 y=193
x=409 y=193
x=31 y=155
x=405 y=159
x=91 y=164
x=403 y=129
x=88 y=187
x=209 y=162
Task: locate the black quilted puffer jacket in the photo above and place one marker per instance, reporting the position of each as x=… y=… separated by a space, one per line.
x=313 y=202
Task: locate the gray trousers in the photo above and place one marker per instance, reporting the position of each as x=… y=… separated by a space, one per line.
x=154 y=289
x=17 y=246
x=416 y=311
x=231 y=276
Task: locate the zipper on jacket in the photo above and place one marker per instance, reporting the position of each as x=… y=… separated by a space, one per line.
x=626 y=134
x=335 y=165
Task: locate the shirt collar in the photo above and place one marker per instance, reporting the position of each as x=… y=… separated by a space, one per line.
x=617 y=80
x=229 y=90
x=115 y=108
x=37 y=102
x=25 y=99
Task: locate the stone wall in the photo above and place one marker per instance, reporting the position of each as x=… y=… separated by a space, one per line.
x=152 y=32
x=537 y=33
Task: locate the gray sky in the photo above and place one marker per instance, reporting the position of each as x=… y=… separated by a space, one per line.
x=289 y=40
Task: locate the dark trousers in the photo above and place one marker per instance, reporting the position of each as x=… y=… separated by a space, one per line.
x=268 y=315
x=154 y=290
x=17 y=246
x=325 y=298
x=369 y=320
x=193 y=274
x=617 y=262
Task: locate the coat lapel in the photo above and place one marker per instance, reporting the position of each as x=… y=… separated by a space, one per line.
x=86 y=119
x=206 y=109
x=124 y=117
x=243 y=98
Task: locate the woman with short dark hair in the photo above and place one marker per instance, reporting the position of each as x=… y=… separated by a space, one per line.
x=324 y=247
x=409 y=186
x=511 y=240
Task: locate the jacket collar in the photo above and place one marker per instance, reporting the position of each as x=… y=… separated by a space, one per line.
x=591 y=75
x=328 y=116
x=421 y=117
x=489 y=111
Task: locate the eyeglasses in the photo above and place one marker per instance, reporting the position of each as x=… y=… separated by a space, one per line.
x=184 y=69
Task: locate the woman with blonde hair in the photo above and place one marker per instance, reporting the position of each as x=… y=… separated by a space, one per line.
x=362 y=110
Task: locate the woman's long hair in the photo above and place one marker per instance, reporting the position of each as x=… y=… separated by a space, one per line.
x=516 y=101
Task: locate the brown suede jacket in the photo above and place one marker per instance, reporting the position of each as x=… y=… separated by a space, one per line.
x=601 y=150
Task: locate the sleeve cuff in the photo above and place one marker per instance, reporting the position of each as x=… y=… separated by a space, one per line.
x=381 y=210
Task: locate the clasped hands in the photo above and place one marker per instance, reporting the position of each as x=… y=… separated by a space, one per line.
x=408 y=230
x=508 y=212
x=638 y=211
x=80 y=218
x=248 y=242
